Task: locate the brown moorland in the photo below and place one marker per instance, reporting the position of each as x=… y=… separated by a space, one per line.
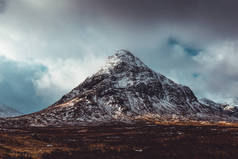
x=122 y=141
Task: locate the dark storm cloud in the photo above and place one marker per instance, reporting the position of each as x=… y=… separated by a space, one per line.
x=147 y=10
x=219 y=16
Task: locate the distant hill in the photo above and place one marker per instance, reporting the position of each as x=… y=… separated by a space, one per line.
x=6 y=111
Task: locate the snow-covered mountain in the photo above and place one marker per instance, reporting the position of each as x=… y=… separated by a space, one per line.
x=125 y=90
x=6 y=111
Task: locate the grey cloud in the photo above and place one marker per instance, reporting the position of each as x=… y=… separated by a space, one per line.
x=199 y=11
x=206 y=20
x=17 y=87
x=2 y=5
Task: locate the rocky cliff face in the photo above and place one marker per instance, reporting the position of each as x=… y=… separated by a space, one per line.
x=125 y=90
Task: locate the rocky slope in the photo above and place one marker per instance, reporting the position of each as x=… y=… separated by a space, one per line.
x=125 y=90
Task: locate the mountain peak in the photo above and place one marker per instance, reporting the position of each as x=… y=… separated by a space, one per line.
x=122 y=58
x=122 y=53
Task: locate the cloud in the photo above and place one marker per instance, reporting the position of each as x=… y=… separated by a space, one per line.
x=64 y=75
x=214 y=19
x=218 y=66
x=17 y=87
x=2 y=5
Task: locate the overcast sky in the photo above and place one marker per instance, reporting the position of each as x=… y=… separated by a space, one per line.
x=48 y=47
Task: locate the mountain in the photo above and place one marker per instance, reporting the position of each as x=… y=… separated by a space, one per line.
x=6 y=111
x=231 y=101
x=124 y=90
x=229 y=109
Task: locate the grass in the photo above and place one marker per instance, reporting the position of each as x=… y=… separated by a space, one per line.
x=166 y=141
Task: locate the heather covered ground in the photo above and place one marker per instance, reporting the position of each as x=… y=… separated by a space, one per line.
x=121 y=142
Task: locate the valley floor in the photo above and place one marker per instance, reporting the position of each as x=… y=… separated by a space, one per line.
x=121 y=142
